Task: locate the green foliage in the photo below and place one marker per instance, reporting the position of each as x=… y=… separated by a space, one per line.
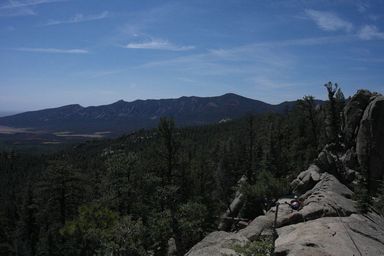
x=119 y=181
x=334 y=107
x=93 y=220
x=192 y=217
x=91 y=230
x=127 y=238
x=261 y=247
x=160 y=225
x=100 y=231
x=262 y=194
x=60 y=191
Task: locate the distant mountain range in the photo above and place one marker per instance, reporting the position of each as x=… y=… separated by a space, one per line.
x=8 y=113
x=122 y=116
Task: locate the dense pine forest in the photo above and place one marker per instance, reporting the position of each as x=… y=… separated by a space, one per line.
x=136 y=194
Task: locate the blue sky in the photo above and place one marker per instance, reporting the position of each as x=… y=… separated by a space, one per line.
x=93 y=52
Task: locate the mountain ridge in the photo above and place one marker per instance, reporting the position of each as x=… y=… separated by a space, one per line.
x=123 y=116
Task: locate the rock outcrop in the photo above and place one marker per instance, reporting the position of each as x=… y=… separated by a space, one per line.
x=352 y=114
x=353 y=235
x=328 y=222
x=217 y=244
x=370 y=137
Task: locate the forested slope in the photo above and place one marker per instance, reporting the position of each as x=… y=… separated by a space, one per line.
x=156 y=191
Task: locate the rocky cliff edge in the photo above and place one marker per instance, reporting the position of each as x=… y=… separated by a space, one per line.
x=328 y=223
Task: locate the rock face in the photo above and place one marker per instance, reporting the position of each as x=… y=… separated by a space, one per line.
x=328 y=222
x=352 y=114
x=327 y=198
x=217 y=244
x=370 y=138
x=353 y=235
x=306 y=179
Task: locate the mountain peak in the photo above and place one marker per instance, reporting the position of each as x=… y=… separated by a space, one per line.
x=119 y=102
x=231 y=94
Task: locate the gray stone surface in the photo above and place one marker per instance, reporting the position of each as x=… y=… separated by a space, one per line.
x=172 y=250
x=334 y=236
x=349 y=159
x=328 y=197
x=352 y=114
x=217 y=244
x=327 y=161
x=370 y=138
x=306 y=179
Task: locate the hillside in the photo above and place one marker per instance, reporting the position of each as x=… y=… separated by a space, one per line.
x=122 y=116
x=128 y=182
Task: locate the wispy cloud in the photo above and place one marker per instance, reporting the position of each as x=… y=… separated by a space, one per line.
x=16 y=12
x=79 y=18
x=18 y=4
x=362 y=6
x=245 y=59
x=370 y=32
x=22 y=7
x=53 y=50
x=157 y=44
x=270 y=60
x=309 y=41
x=329 y=21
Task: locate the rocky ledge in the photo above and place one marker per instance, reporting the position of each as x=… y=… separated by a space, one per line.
x=328 y=223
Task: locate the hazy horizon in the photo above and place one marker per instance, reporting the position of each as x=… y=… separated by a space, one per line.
x=60 y=52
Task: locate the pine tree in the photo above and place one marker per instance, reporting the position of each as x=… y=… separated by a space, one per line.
x=335 y=106
x=59 y=193
x=28 y=228
x=119 y=181
x=169 y=154
x=308 y=105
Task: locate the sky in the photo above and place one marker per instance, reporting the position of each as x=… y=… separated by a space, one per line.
x=95 y=52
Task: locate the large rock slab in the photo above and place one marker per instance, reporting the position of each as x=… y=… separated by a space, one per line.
x=306 y=179
x=217 y=244
x=327 y=198
x=332 y=236
x=352 y=114
x=321 y=227
x=370 y=139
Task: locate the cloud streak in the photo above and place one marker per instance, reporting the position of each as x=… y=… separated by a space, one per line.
x=26 y=3
x=79 y=18
x=53 y=50
x=370 y=32
x=22 y=7
x=157 y=44
x=328 y=21
x=17 y=12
